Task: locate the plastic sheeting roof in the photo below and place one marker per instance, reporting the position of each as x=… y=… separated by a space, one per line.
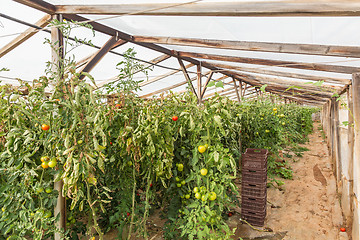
x=27 y=61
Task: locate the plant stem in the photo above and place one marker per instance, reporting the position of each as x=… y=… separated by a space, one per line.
x=133 y=204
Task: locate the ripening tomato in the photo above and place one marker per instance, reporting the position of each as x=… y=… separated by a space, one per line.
x=45 y=127
x=203 y=171
x=175 y=118
x=118 y=105
x=230 y=214
x=44 y=158
x=44 y=165
x=201 y=149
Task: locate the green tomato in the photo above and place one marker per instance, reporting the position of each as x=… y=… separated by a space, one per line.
x=196 y=189
x=47 y=214
x=178 y=184
x=197 y=195
x=52 y=162
x=187 y=196
x=203 y=198
x=183 y=182
x=180 y=167
x=48 y=190
x=177 y=179
x=40 y=190
x=212 y=196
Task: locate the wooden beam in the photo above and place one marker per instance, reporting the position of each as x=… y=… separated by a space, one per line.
x=39 y=5
x=152 y=62
x=198 y=72
x=170 y=87
x=283 y=74
x=219 y=92
x=186 y=75
x=309 y=49
x=206 y=84
x=259 y=81
x=274 y=8
x=236 y=90
x=155 y=79
x=24 y=36
x=276 y=63
x=291 y=84
x=296 y=94
x=95 y=59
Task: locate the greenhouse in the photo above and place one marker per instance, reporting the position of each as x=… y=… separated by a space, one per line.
x=201 y=119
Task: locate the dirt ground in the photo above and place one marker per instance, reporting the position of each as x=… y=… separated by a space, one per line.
x=305 y=208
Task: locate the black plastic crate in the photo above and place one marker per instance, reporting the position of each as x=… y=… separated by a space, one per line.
x=253 y=206
x=254 y=218
x=257 y=151
x=254 y=165
x=252 y=178
x=253 y=189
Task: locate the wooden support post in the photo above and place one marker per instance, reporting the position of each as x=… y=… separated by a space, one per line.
x=206 y=83
x=351 y=144
x=198 y=68
x=187 y=76
x=241 y=87
x=57 y=58
x=236 y=90
x=356 y=156
x=337 y=141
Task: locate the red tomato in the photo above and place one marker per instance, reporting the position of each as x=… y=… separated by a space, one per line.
x=230 y=214
x=110 y=143
x=151 y=185
x=128 y=214
x=342 y=229
x=118 y=105
x=175 y=118
x=45 y=127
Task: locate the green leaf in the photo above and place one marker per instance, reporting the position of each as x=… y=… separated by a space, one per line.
x=263 y=88
x=211 y=84
x=219 y=84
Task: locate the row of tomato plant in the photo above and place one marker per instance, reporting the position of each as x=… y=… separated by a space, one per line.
x=118 y=160
x=121 y=159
